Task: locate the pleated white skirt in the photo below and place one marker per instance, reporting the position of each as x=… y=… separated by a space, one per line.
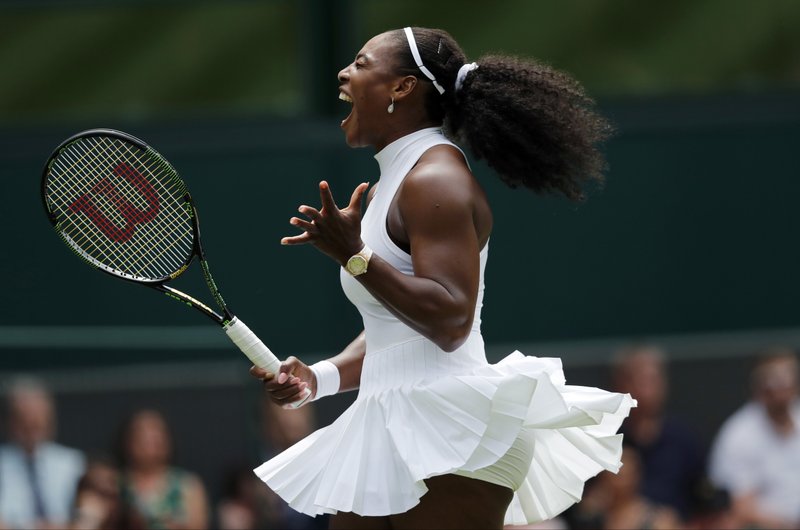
x=422 y=412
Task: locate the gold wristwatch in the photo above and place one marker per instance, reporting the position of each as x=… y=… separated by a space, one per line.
x=358 y=263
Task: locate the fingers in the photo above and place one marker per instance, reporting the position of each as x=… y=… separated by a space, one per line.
x=329 y=204
x=288 y=385
x=303 y=225
x=331 y=230
x=285 y=388
x=358 y=193
x=286 y=371
x=260 y=373
x=308 y=227
x=288 y=392
x=283 y=377
x=326 y=197
x=302 y=239
x=310 y=212
x=297 y=402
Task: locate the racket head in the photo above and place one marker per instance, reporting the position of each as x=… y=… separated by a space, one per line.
x=120 y=206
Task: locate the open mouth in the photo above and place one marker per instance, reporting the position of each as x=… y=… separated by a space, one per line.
x=347 y=99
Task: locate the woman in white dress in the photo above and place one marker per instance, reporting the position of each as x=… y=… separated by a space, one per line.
x=438 y=437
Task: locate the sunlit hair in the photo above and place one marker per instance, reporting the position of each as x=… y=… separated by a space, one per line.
x=533 y=124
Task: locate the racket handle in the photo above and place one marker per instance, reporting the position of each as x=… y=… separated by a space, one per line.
x=257 y=352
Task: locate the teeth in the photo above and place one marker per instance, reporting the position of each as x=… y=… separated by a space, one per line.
x=345 y=97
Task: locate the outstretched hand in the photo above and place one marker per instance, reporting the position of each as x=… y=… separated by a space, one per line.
x=334 y=232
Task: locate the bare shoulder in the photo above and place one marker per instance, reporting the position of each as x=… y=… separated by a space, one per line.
x=440 y=194
x=445 y=162
x=441 y=174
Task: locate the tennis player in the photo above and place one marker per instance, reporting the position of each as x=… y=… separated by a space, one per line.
x=438 y=437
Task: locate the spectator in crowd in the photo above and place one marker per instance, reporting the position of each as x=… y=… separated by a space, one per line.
x=711 y=508
x=613 y=501
x=37 y=476
x=97 y=503
x=154 y=494
x=282 y=428
x=756 y=454
x=671 y=454
x=246 y=504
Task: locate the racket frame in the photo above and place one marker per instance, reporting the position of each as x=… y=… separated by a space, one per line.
x=236 y=330
x=158 y=284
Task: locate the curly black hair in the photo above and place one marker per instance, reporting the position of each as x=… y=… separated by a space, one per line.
x=533 y=124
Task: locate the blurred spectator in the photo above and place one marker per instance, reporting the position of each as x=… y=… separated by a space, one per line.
x=246 y=503
x=671 y=454
x=756 y=454
x=154 y=494
x=711 y=509
x=614 y=501
x=282 y=428
x=97 y=503
x=37 y=476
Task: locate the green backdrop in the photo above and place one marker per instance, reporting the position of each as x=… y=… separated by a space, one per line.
x=693 y=232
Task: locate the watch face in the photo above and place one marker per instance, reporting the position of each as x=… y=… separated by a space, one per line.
x=356 y=265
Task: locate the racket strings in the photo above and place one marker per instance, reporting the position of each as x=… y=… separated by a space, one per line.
x=178 y=220
x=118 y=205
x=87 y=230
x=162 y=236
x=121 y=207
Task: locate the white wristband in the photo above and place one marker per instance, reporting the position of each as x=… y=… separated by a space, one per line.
x=327 y=376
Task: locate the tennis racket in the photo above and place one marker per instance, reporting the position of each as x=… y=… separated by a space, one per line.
x=123 y=209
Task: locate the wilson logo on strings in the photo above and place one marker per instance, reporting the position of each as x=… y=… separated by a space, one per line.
x=132 y=215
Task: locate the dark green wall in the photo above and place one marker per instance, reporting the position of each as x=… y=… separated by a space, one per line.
x=145 y=59
x=694 y=231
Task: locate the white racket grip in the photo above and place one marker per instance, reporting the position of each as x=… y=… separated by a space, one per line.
x=258 y=352
x=252 y=346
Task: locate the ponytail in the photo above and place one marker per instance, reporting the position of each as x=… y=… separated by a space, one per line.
x=534 y=125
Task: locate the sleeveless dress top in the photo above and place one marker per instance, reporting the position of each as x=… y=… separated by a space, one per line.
x=423 y=412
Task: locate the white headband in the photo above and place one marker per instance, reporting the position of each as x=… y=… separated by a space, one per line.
x=415 y=52
x=462 y=74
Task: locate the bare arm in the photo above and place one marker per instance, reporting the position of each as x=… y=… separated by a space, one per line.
x=349 y=363
x=437 y=204
x=299 y=376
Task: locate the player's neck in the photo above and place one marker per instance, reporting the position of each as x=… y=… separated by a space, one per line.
x=404 y=128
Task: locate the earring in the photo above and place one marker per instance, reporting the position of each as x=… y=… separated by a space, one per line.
x=390 y=108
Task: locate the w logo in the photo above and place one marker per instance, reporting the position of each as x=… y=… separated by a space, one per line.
x=129 y=212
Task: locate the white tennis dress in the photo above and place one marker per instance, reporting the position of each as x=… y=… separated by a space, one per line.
x=422 y=412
